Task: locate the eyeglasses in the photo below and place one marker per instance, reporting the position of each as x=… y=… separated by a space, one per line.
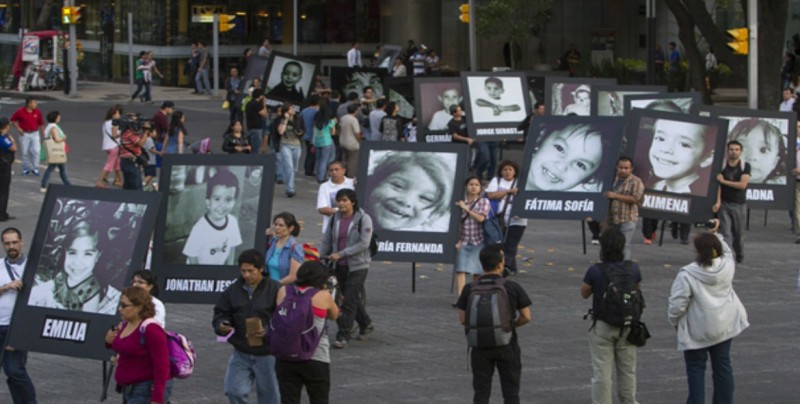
x=125 y=305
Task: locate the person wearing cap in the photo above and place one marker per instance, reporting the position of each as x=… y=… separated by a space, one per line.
x=29 y=122
x=7 y=149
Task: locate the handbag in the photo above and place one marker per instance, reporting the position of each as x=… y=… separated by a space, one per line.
x=638 y=334
x=492 y=233
x=226 y=104
x=56 y=151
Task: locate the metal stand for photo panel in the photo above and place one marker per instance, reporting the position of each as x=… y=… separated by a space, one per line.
x=583 y=235
x=661 y=236
x=414 y=277
x=108 y=373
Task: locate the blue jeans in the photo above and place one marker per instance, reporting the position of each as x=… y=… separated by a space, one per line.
x=627 y=229
x=19 y=383
x=139 y=393
x=62 y=172
x=131 y=174
x=723 y=373
x=243 y=370
x=488 y=154
x=31 y=148
x=289 y=162
x=254 y=136
x=201 y=79
x=325 y=156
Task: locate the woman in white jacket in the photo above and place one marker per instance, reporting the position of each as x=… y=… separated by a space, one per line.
x=707 y=314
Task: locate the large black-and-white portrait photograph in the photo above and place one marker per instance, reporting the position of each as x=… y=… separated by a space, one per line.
x=682 y=103
x=569 y=96
x=356 y=80
x=87 y=244
x=675 y=156
x=610 y=100
x=496 y=98
x=215 y=207
x=401 y=90
x=434 y=99
x=767 y=139
x=256 y=70
x=387 y=56
x=536 y=85
x=409 y=191
x=289 y=78
x=568 y=163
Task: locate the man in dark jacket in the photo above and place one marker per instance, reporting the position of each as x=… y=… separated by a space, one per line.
x=249 y=299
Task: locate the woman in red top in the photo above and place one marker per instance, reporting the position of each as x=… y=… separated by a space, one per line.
x=143 y=374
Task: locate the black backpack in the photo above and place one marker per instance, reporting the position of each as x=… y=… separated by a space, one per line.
x=489 y=317
x=621 y=303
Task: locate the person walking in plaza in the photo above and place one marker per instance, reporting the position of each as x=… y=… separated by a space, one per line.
x=233 y=94
x=326 y=196
x=346 y=243
x=287 y=135
x=707 y=314
x=284 y=254
x=174 y=143
x=148 y=281
x=131 y=144
x=53 y=131
x=307 y=116
x=314 y=374
x=148 y=69
x=502 y=191
x=350 y=139
x=111 y=147
x=29 y=122
x=242 y=314
x=474 y=210
x=507 y=359
x=203 y=85
x=138 y=78
x=8 y=147
x=143 y=367
x=608 y=343
x=234 y=141
x=625 y=198
x=255 y=112
x=732 y=197
x=20 y=386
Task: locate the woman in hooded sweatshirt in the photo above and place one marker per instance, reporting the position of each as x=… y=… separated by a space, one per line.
x=707 y=314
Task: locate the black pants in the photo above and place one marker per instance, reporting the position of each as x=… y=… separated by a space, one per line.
x=511 y=244
x=6 y=160
x=310 y=161
x=292 y=376
x=649 y=226
x=352 y=310
x=681 y=229
x=509 y=365
x=594 y=227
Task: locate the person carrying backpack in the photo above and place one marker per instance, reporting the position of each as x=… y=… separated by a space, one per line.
x=493 y=338
x=612 y=318
x=298 y=335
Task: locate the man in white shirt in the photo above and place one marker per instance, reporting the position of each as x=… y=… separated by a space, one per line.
x=326 y=197
x=354 y=56
x=19 y=383
x=788 y=100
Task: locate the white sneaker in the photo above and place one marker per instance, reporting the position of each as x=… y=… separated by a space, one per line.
x=43 y=190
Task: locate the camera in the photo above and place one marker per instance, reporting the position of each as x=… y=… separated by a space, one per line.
x=710 y=224
x=132 y=122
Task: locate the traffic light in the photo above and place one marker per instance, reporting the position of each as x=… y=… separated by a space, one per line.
x=66 y=15
x=464 y=9
x=225 y=22
x=740 y=37
x=76 y=14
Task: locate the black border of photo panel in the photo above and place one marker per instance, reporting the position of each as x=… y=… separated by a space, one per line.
x=766 y=196
x=662 y=205
x=339 y=78
x=694 y=96
x=565 y=205
x=256 y=69
x=81 y=334
x=541 y=75
x=501 y=130
x=549 y=81
x=422 y=129
x=442 y=243
x=627 y=90
x=268 y=73
x=206 y=282
x=403 y=87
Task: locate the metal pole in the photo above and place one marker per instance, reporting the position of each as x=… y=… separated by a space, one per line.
x=473 y=57
x=294 y=27
x=651 y=42
x=73 y=59
x=215 y=37
x=130 y=49
x=752 y=58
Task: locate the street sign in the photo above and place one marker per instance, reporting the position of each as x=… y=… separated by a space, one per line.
x=204 y=13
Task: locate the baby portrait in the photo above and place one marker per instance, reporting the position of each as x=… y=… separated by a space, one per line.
x=763 y=147
x=410 y=191
x=496 y=99
x=571 y=99
x=289 y=80
x=569 y=158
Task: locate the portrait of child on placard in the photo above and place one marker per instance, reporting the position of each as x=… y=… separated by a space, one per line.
x=289 y=79
x=496 y=99
x=763 y=147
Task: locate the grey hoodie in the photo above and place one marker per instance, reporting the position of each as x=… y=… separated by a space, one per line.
x=703 y=304
x=357 y=249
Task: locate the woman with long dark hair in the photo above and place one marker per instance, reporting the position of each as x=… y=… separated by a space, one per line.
x=177 y=133
x=148 y=281
x=324 y=130
x=501 y=191
x=284 y=255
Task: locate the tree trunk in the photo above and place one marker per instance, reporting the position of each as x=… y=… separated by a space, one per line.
x=771 y=30
x=697 y=67
x=44 y=16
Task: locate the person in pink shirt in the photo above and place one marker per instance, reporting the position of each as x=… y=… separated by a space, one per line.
x=143 y=374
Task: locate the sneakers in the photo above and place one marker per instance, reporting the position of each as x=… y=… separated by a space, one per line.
x=739 y=258
x=595 y=241
x=339 y=344
x=647 y=241
x=35 y=173
x=290 y=194
x=26 y=172
x=363 y=335
x=42 y=190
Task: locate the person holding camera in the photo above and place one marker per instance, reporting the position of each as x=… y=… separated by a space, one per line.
x=707 y=314
x=132 y=156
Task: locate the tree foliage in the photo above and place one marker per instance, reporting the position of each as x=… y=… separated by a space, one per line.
x=518 y=19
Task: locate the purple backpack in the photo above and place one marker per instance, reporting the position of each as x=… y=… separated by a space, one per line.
x=292 y=335
x=180 y=350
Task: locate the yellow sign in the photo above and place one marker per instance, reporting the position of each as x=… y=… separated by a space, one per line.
x=204 y=13
x=741 y=37
x=225 y=23
x=464 y=9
